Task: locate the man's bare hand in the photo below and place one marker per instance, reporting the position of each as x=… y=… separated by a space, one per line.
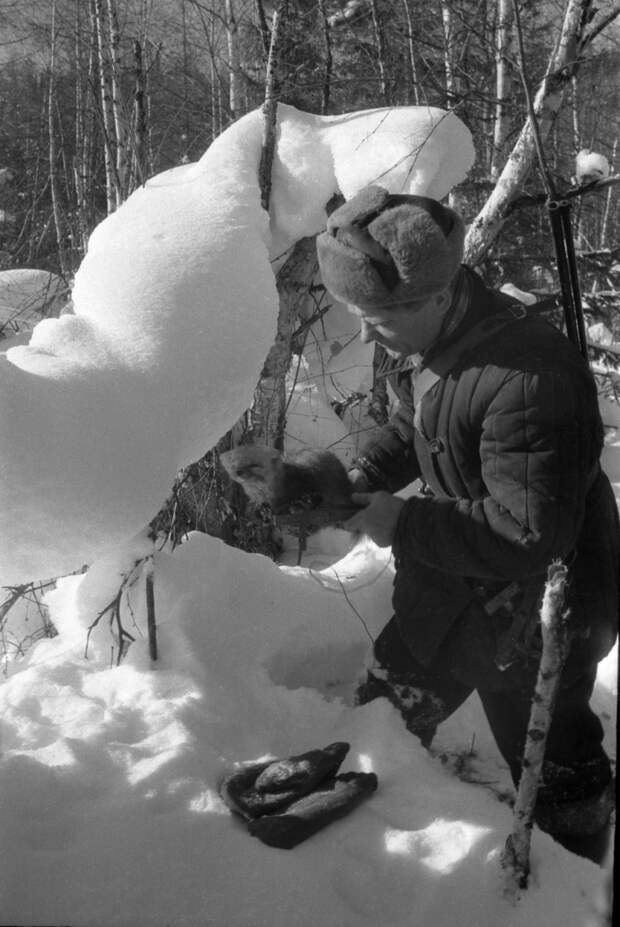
x=378 y=518
x=358 y=480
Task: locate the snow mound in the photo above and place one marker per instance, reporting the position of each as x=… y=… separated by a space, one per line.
x=109 y=779
x=175 y=309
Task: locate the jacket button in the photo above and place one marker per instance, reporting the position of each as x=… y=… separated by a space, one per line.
x=436 y=446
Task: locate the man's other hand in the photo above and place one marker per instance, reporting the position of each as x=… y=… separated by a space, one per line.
x=358 y=480
x=378 y=517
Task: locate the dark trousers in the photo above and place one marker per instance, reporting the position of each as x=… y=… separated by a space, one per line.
x=576 y=765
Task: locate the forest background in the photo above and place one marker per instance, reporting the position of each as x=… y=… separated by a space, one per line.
x=96 y=96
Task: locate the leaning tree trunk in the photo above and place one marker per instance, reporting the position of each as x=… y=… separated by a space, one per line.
x=563 y=64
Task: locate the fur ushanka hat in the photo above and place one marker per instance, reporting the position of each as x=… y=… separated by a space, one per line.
x=382 y=249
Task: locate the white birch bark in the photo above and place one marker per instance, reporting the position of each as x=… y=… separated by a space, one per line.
x=563 y=63
x=52 y=149
x=121 y=139
x=448 y=54
x=380 y=45
x=555 y=643
x=411 y=50
x=105 y=101
x=501 y=127
x=232 y=42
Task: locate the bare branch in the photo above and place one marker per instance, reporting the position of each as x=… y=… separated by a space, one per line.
x=598 y=27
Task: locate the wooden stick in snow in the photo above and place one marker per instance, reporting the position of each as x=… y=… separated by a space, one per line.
x=555 y=645
x=150 y=614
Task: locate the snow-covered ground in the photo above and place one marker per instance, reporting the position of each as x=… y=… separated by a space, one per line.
x=109 y=775
x=109 y=789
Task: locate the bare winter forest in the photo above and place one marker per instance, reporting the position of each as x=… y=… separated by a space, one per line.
x=98 y=95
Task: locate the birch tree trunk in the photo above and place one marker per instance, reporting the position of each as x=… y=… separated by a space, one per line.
x=120 y=125
x=52 y=151
x=80 y=159
x=139 y=170
x=328 y=57
x=411 y=50
x=232 y=44
x=105 y=102
x=262 y=25
x=270 y=106
x=503 y=41
x=380 y=44
x=608 y=199
x=293 y=281
x=563 y=63
x=270 y=398
x=448 y=56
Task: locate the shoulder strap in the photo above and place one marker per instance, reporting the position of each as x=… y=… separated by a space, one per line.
x=443 y=363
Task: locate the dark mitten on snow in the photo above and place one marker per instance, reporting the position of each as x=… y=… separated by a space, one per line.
x=302 y=772
x=315 y=811
x=268 y=787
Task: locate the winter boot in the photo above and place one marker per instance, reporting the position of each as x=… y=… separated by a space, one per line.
x=421 y=710
x=583 y=826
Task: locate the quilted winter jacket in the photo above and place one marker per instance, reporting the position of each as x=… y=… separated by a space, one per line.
x=507 y=444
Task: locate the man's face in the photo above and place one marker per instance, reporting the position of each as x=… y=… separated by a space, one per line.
x=403 y=330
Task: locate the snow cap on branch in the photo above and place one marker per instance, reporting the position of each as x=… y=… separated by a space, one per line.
x=590 y=166
x=381 y=250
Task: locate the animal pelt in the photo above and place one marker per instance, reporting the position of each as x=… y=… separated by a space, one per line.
x=309 y=490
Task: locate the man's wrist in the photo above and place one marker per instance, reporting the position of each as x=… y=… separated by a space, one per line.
x=358 y=480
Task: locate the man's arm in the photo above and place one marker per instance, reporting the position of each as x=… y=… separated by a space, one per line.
x=388 y=461
x=538 y=446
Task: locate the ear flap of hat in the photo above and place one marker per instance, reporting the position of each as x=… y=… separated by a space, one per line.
x=350 y=275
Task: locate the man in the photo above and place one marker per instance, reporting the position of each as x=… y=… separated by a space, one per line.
x=498 y=417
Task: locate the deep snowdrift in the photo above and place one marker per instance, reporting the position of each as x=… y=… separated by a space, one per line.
x=110 y=809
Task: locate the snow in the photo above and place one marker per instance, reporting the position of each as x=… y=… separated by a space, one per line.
x=109 y=788
x=175 y=309
x=109 y=774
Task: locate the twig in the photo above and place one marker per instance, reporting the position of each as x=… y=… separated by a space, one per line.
x=125 y=639
x=555 y=644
